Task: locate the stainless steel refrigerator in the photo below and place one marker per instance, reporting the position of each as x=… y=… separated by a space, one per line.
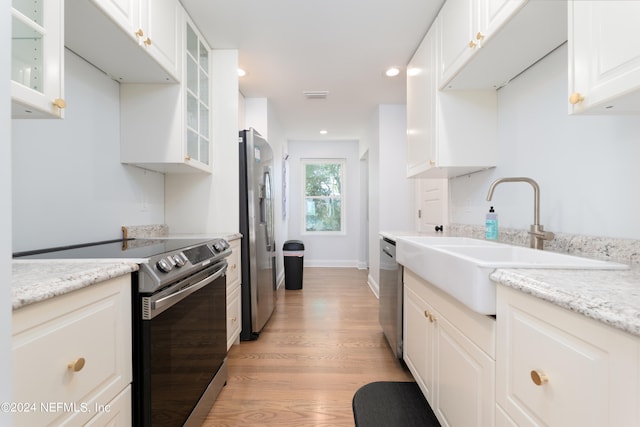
x=258 y=248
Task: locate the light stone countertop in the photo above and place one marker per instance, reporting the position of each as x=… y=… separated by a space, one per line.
x=609 y=296
x=37 y=280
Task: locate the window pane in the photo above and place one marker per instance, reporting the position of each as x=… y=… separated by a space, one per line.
x=323 y=214
x=192 y=144
x=192 y=112
x=192 y=42
x=27 y=57
x=323 y=179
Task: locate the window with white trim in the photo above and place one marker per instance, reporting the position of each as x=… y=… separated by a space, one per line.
x=323 y=195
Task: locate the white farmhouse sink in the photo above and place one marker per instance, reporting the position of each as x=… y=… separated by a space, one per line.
x=461 y=266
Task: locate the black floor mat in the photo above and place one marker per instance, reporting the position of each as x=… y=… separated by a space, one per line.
x=388 y=404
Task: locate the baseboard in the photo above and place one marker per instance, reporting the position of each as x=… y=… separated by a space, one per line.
x=373 y=285
x=332 y=263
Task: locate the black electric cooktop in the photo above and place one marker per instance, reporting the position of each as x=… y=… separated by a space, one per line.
x=117 y=249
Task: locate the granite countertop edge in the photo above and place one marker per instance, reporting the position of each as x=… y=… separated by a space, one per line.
x=34 y=281
x=608 y=296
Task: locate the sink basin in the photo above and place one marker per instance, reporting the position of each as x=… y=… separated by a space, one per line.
x=506 y=256
x=447 y=241
x=461 y=266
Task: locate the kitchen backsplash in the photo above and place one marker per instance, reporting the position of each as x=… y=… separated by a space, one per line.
x=626 y=251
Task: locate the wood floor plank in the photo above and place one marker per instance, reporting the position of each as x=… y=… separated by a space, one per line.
x=321 y=345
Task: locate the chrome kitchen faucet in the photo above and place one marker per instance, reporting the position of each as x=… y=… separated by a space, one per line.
x=537 y=233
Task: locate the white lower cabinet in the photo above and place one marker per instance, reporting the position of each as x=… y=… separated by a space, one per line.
x=234 y=303
x=559 y=368
x=450 y=352
x=72 y=358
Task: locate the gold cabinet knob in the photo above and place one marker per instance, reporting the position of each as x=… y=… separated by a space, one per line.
x=432 y=318
x=59 y=102
x=472 y=44
x=76 y=365
x=539 y=378
x=432 y=162
x=187 y=157
x=139 y=33
x=147 y=41
x=479 y=36
x=576 y=98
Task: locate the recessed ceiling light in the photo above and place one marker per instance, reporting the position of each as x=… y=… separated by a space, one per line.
x=241 y=72
x=324 y=132
x=392 y=72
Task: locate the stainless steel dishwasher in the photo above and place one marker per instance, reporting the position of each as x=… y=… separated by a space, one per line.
x=390 y=288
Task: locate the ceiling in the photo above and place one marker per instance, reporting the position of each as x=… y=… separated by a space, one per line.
x=340 y=46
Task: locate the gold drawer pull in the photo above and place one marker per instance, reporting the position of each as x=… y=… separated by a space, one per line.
x=539 y=378
x=77 y=365
x=139 y=33
x=147 y=41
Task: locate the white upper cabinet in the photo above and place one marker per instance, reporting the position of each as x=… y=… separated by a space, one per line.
x=460 y=21
x=133 y=41
x=438 y=145
x=604 y=57
x=421 y=106
x=37 y=59
x=485 y=43
x=167 y=127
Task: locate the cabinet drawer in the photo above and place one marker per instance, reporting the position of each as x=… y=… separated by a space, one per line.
x=233 y=272
x=93 y=324
x=116 y=413
x=233 y=316
x=588 y=373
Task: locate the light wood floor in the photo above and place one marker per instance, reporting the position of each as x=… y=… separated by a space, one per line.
x=321 y=345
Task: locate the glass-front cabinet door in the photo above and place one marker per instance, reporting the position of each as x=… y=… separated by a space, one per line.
x=198 y=133
x=37 y=61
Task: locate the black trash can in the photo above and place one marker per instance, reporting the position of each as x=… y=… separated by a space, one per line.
x=293 y=251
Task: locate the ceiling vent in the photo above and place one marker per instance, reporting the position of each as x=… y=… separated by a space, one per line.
x=316 y=94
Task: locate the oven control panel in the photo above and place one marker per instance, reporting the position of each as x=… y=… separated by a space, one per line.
x=171 y=266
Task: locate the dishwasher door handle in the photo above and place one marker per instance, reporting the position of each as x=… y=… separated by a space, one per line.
x=386 y=251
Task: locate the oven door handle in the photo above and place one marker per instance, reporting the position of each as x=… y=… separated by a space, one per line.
x=162 y=304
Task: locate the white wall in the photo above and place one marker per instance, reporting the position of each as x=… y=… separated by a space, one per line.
x=586 y=166
x=209 y=203
x=257 y=113
x=5 y=214
x=68 y=183
x=326 y=251
x=391 y=194
x=397 y=193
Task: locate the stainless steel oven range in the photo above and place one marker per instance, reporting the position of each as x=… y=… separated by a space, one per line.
x=179 y=323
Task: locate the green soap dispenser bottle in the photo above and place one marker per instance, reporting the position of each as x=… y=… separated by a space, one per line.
x=491 y=225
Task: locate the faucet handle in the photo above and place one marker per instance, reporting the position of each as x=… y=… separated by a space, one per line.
x=538 y=235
